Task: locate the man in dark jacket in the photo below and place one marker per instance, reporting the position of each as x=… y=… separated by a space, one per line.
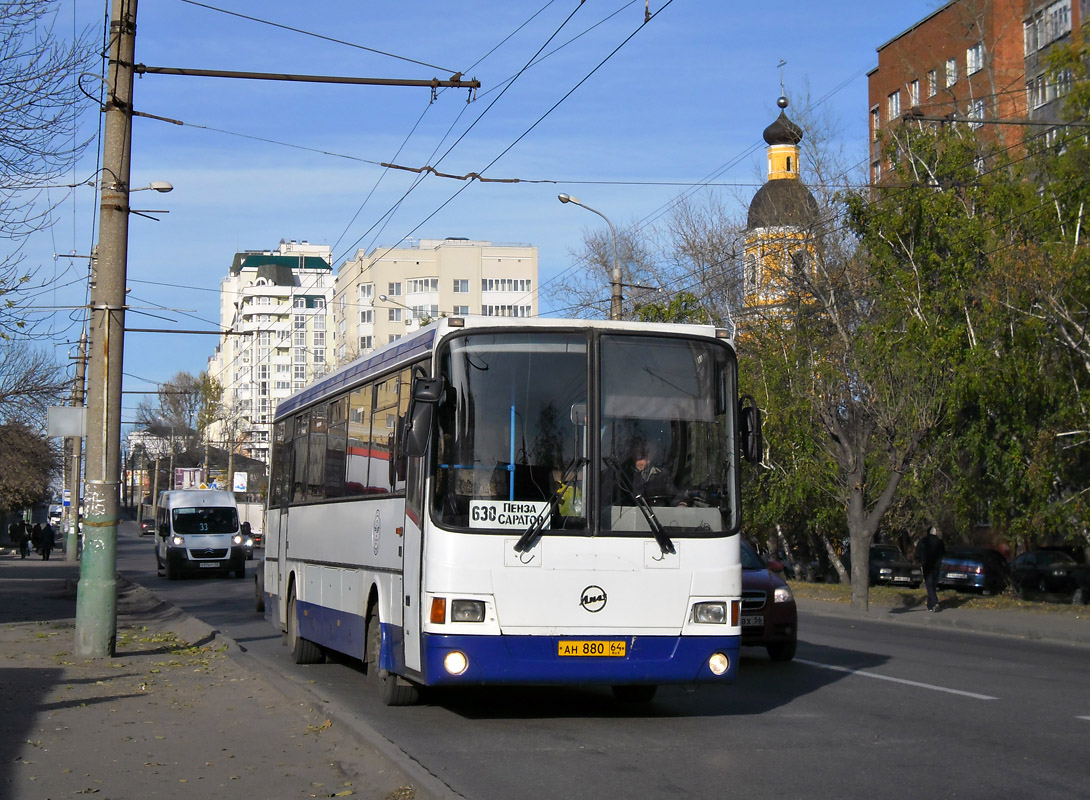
x=929 y=552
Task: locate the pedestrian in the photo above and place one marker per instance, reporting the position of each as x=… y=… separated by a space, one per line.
x=46 y=541
x=36 y=537
x=17 y=534
x=929 y=552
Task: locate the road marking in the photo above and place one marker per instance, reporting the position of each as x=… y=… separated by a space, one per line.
x=1085 y=718
x=917 y=684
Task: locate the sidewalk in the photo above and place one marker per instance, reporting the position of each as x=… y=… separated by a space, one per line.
x=1053 y=627
x=174 y=714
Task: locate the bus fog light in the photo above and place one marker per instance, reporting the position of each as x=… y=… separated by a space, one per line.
x=467 y=611
x=712 y=613
x=719 y=663
x=455 y=662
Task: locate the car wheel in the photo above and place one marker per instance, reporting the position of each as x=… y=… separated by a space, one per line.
x=1041 y=588
x=782 y=651
x=303 y=651
x=390 y=689
x=634 y=693
x=1080 y=597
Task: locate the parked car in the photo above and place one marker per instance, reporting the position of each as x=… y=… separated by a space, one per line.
x=1047 y=572
x=770 y=618
x=979 y=569
x=888 y=565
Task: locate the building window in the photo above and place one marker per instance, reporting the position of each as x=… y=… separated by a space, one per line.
x=393 y=289
x=299 y=302
x=876 y=167
x=932 y=83
x=394 y=314
x=461 y=286
x=875 y=123
x=951 y=72
x=393 y=338
x=913 y=94
x=367 y=343
x=367 y=317
x=366 y=291
x=461 y=311
x=893 y=106
x=974 y=59
x=977 y=110
x=420 y=285
x=299 y=339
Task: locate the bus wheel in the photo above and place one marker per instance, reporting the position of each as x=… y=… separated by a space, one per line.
x=172 y=571
x=303 y=651
x=392 y=690
x=634 y=693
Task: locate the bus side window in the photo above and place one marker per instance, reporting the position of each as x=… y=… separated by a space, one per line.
x=358 y=454
x=299 y=447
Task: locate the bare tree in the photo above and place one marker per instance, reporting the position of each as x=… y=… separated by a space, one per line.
x=39 y=106
x=29 y=381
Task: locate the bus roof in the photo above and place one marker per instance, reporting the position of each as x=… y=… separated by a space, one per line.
x=411 y=347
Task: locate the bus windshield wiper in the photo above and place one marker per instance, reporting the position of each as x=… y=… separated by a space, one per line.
x=537 y=525
x=663 y=540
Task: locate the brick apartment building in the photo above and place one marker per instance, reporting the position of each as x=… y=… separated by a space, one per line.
x=976 y=60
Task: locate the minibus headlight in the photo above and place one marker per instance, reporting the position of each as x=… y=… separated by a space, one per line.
x=467 y=611
x=238 y=538
x=176 y=540
x=714 y=613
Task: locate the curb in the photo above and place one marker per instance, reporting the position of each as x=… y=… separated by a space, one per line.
x=143 y=602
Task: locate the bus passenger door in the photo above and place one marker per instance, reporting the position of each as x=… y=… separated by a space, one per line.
x=412 y=559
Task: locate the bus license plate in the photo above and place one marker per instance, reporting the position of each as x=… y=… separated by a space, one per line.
x=589 y=648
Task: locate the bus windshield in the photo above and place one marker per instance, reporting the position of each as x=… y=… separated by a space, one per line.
x=522 y=438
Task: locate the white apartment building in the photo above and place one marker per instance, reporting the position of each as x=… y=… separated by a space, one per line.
x=381 y=295
x=276 y=304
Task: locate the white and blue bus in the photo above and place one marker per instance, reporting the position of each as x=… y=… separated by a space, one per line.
x=488 y=501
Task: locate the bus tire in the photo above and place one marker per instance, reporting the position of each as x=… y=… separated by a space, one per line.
x=392 y=690
x=171 y=570
x=634 y=693
x=303 y=651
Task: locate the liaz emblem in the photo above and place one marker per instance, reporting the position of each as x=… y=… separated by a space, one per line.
x=593 y=599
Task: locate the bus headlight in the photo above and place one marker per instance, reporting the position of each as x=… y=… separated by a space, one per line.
x=713 y=613
x=455 y=662
x=719 y=663
x=467 y=611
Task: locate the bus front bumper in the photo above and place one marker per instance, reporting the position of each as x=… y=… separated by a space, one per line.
x=537 y=660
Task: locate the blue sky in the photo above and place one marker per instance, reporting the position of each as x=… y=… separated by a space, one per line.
x=685 y=97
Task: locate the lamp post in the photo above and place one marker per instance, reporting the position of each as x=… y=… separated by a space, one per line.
x=615 y=282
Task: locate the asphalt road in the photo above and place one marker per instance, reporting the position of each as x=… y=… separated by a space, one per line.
x=866 y=709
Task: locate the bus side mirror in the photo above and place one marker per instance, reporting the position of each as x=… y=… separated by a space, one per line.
x=749 y=429
x=426 y=394
x=164 y=529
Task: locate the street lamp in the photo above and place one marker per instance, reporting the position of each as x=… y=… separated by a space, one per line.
x=615 y=283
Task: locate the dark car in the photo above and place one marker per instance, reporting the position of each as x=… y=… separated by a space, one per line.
x=769 y=616
x=889 y=565
x=977 y=569
x=1047 y=572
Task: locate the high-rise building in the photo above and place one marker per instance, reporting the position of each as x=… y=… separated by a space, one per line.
x=976 y=60
x=381 y=295
x=275 y=305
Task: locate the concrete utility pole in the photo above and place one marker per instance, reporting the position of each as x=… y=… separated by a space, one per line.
x=96 y=598
x=75 y=448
